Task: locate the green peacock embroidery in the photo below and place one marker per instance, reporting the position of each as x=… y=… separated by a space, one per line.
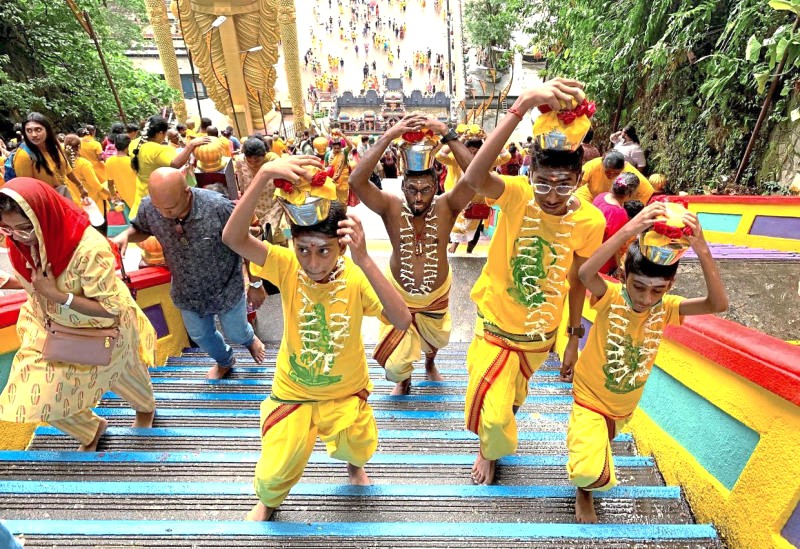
x=529 y=268
x=309 y=368
x=626 y=373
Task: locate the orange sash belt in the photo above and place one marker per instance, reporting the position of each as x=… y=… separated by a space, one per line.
x=491 y=374
x=277 y=415
x=284 y=410
x=386 y=347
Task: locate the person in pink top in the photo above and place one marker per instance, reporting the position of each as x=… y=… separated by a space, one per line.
x=610 y=203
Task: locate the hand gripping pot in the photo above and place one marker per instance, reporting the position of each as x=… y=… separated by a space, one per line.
x=666 y=242
x=308 y=201
x=418 y=150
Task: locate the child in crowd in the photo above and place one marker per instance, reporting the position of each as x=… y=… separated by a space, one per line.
x=622 y=344
x=612 y=206
x=321 y=380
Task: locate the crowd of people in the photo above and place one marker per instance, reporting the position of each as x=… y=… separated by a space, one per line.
x=370 y=36
x=272 y=214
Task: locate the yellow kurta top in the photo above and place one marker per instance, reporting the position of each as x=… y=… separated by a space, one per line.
x=341 y=171
x=620 y=351
x=226 y=145
x=118 y=170
x=151 y=157
x=25 y=167
x=42 y=391
x=523 y=285
x=321 y=356
x=91 y=150
x=96 y=190
x=594 y=182
x=454 y=172
x=279 y=147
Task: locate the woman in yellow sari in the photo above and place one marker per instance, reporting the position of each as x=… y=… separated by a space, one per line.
x=68 y=270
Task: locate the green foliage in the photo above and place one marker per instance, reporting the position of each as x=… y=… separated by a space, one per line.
x=691 y=75
x=489 y=24
x=49 y=64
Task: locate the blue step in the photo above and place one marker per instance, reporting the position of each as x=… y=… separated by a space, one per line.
x=35 y=456
x=436 y=530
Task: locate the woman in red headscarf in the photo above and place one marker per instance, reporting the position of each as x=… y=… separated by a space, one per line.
x=68 y=270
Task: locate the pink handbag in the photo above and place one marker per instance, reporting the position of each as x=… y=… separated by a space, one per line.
x=92 y=346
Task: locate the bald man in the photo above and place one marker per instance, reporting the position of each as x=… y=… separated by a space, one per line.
x=207 y=279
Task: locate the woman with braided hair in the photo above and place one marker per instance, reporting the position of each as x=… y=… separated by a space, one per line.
x=151 y=153
x=83 y=169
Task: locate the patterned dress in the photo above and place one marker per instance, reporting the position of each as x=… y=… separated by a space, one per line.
x=38 y=390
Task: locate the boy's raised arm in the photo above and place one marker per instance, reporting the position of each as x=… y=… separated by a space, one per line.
x=375 y=199
x=716 y=299
x=555 y=93
x=236 y=234
x=589 y=271
x=395 y=310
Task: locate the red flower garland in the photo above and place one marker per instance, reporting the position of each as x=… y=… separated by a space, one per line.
x=416 y=136
x=674 y=233
x=321 y=176
x=587 y=108
x=284 y=185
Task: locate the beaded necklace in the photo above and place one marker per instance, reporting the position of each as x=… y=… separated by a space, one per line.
x=628 y=364
x=415 y=245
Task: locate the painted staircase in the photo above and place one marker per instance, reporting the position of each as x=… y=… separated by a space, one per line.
x=187 y=482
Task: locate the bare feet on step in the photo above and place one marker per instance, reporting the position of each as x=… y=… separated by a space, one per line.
x=402 y=388
x=259 y=513
x=92 y=446
x=144 y=419
x=431 y=371
x=257 y=350
x=584 y=507
x=218 y=372
x=483 y=470
x=358 y=476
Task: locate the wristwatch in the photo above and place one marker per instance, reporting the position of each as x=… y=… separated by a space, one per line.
x=451 y=135
x=257 y=284
x=579 y=331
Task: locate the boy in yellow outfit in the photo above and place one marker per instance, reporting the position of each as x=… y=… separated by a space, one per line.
x=623 y=342
x=321 y=381
x=544 y=235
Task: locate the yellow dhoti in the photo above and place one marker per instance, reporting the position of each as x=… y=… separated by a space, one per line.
x=289 y=431
x=429 y=331
x=499 y=368
x=589 y=435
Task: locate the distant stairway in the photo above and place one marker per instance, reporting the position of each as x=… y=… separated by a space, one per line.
x=187 y=483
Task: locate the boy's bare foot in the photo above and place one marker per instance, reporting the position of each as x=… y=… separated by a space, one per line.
x=218 y=372
x=483 y=470
x=402 y=388
x=431 y=371
x=452 y=247
x=259 y=513
x=144 y=419
x=358 y=476
x=584 y=507
x=92 y=446
x=257 y=350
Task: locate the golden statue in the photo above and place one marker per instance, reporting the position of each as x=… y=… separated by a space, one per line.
x=234 y=45
x=162 y=36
